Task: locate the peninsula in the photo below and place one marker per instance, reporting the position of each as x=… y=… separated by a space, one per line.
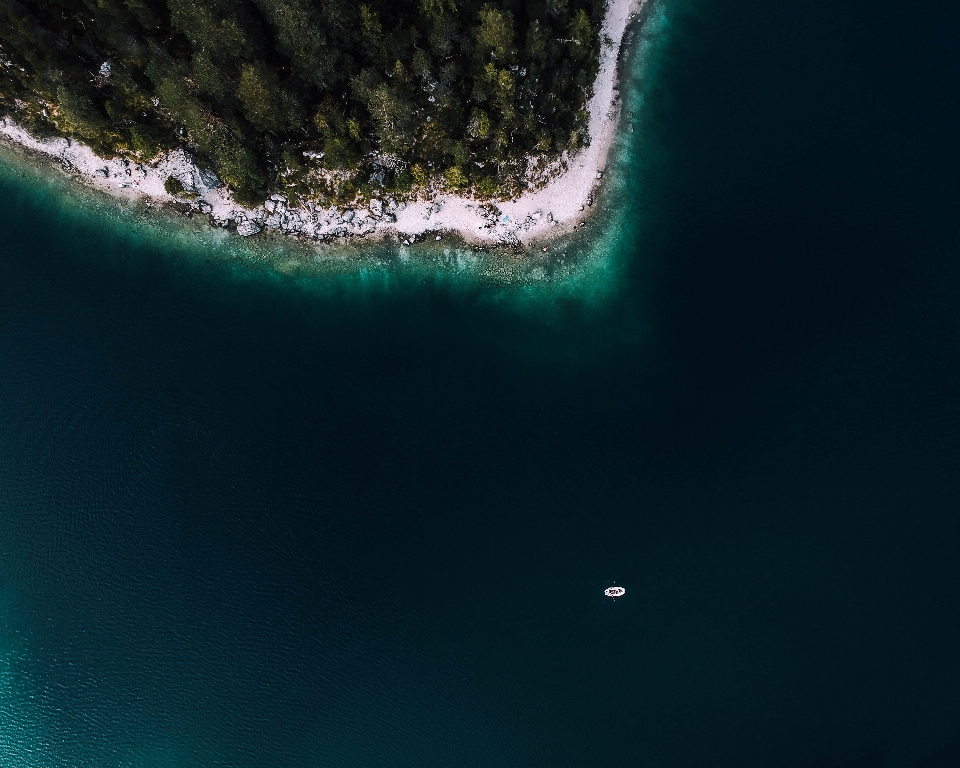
x=325 y=120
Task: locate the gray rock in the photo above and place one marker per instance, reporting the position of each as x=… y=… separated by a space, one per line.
x=209 y=179
x=270 y=205
x=291 y=222
x=376 y=208
x=247 y=228
x=348 y=216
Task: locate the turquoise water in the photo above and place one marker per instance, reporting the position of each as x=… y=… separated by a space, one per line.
x=258 y=509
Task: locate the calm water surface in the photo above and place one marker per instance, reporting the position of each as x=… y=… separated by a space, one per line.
x=254 y=519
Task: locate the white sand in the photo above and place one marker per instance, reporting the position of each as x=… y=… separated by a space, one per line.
x=553 y=209
x=562 y=202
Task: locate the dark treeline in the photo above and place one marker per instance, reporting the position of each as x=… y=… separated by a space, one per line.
x=330 y=98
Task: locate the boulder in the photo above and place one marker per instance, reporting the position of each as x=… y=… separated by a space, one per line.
x=246 y=228
x=290 y=222
x=209 y=179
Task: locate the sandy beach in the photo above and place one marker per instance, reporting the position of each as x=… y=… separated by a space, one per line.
x=555 y=208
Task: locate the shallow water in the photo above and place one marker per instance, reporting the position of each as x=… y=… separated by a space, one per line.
x=253 y=514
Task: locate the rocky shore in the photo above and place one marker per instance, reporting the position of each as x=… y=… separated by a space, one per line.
x=559 y=206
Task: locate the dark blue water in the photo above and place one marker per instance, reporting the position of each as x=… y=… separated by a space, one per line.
x=250 y=520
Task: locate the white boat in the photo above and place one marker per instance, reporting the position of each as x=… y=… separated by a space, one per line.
x=614 y=591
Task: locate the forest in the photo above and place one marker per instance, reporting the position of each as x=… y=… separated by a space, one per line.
x=329 y=99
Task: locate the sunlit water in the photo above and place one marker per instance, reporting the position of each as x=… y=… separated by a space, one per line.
x=267 y=505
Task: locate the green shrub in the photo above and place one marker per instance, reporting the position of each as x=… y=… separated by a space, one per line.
x=486 y=187
x=455 y=177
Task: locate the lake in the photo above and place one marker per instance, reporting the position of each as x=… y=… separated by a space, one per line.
x=253 y=515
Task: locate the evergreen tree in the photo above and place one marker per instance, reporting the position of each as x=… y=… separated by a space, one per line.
x=399 y=94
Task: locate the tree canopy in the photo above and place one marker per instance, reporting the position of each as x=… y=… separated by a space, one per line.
x=329 y=98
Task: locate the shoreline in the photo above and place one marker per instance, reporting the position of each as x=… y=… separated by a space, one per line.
x=557 y=208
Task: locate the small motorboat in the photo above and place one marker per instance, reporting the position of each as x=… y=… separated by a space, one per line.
x=614 y=591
